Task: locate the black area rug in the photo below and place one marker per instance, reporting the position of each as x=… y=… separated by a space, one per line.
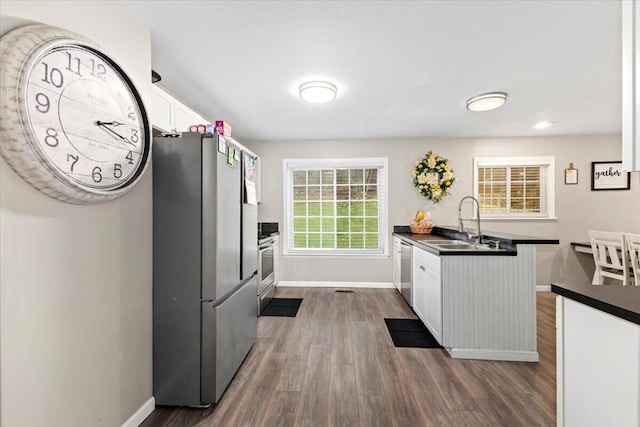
x=410 y=333
x=283 y=307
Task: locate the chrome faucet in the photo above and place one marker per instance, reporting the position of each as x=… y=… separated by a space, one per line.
x=478 y=236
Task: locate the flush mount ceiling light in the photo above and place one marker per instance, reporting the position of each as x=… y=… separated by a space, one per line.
x=542 y=124
x=487 y=101
x=318 y=92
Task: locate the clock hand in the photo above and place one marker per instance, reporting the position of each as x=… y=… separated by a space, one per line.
x=99 y=123
x=104 y=125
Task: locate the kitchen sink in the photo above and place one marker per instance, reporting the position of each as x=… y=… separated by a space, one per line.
x=456 y=245
x=442 y=241
x=462 y=246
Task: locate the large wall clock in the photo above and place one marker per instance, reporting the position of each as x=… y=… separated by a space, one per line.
x=72 y=123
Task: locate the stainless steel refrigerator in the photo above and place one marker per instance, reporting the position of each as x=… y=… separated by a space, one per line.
x=204 y=267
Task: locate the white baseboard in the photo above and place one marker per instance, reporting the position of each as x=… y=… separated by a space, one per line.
x=543 y=288
x=141 y=414
x=514 y=356
x=377 y=285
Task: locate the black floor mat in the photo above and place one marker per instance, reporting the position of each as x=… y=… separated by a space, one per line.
x=284 y=307
x=410 y=333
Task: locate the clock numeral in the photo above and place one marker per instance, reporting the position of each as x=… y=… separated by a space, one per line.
x=75 y=64
x=75 y=160
x=52 y=137
x=134 y=136
x=130 y=157
x=53 y=77
x=43 y=102
x=117 y=170
x=132 y=114
x=101 y=73
x=96 y=174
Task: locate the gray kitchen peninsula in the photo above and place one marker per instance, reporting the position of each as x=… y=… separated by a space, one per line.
x=478 y=299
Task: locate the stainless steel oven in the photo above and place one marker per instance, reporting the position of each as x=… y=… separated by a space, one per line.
x=266 y=274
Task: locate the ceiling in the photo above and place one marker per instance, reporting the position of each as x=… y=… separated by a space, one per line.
x=403 y=69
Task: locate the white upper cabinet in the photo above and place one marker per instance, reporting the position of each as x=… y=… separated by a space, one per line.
x=170 y=115
x=630 y=85
x=185 y=117
x=161 y=111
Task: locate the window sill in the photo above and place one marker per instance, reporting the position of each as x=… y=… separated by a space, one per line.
x=523 y=219
x=317 y=255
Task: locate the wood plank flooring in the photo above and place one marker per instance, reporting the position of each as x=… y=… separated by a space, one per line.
x=335 y=365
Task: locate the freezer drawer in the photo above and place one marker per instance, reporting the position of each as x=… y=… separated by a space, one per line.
x=228 y=332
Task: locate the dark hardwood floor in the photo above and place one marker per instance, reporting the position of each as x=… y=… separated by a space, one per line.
x=335 y=365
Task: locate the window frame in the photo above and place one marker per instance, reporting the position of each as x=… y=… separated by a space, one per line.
x=319 y=164
x=525 y=161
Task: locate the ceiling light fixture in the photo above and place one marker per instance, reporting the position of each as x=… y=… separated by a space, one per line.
x=542 y=124
x=487 y=101
x=318 y=92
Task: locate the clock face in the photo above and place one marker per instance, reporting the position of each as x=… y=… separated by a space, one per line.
x=72 y=123
x=85 y=118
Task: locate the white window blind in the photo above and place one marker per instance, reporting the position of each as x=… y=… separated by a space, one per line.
x=335 y=207
x=515 y=187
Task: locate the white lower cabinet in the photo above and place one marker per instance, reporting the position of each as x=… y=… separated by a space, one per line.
x=479 y=306
x=427 y=290
x=395 y=258
x=598 y=367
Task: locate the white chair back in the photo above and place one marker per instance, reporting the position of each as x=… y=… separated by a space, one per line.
x=610 y=256
x=633 y=246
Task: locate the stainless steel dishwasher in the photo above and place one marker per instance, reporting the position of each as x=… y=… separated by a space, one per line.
x=405 y=272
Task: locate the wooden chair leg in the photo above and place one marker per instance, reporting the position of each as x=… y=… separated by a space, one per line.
x=597 y=278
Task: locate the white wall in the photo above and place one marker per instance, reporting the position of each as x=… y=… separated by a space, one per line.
x=577 y=207
x=75 y=281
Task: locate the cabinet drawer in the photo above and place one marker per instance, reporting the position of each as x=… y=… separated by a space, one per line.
x=426 y=259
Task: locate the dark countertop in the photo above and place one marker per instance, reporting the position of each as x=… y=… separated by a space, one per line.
x=584 y=244
x=617 y=300
x=507 y=241
x=513 y=239
x=414 y=239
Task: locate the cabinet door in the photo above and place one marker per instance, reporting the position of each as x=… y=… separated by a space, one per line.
x=420 y=278
x=433 y=319
x=396 y=256
x=427 y=292
x=599 y=385
x=161 y=111
x=419 y=289
x=185 y=117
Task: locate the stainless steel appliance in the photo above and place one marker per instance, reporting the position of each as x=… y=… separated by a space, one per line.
x=266 y=273
x=204 y=267
x=405 y=272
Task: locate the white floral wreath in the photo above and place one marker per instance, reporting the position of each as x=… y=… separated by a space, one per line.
x=433 y=177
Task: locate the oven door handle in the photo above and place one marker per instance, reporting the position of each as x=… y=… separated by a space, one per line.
x=265 y=247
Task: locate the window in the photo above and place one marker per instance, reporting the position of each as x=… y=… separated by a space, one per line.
x=335 y=207
x=515 y=187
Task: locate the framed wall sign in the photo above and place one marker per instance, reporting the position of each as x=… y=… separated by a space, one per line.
x=609 y=176
x=571 y=175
